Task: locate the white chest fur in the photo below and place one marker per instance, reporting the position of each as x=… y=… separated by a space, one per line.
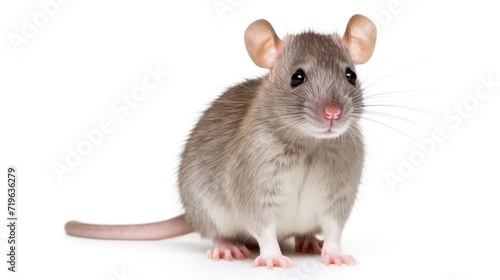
x=303 y=201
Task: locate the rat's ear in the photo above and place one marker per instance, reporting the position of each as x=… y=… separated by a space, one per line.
x=262 y=43
x=359 y=38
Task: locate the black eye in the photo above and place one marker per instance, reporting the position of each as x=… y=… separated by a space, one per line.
x=350 y=75
x=298 y=78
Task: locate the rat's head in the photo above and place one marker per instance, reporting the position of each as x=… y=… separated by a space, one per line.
x=312 y=84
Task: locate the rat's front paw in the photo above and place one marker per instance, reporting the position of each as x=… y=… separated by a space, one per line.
x=338 y=260
x=272 y=262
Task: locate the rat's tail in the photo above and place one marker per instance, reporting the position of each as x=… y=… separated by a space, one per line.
x=153 y=231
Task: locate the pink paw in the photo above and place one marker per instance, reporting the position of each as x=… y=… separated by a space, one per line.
x=338 y=260
x=228 y=251
x=272 y=262
x=308 y=245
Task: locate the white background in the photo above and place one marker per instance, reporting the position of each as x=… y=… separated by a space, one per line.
x=439 y=222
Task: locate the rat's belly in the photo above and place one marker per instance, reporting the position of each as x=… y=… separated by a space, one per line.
x=303 y=202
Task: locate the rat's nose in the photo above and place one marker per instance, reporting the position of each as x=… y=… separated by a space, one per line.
x=332 y=112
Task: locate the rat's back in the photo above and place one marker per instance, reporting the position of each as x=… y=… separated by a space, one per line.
x=207 y=150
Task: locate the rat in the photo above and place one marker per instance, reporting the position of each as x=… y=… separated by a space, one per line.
x=276 y=157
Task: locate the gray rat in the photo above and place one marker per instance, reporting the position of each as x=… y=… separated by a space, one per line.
x=275 y=157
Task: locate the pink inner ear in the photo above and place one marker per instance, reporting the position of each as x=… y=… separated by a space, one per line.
x=271 y=72
x=262 y=43
x=274 y=53
x=346 y=41
x=359 y=38
x=278 y=51
x=350 y=47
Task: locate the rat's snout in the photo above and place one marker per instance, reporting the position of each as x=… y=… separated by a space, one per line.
x=332 y=112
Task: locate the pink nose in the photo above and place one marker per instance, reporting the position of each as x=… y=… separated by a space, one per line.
x=332 y=112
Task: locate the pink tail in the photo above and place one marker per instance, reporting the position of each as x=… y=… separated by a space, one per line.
x=153 y=231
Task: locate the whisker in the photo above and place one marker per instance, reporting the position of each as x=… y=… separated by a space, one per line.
x=418 y=110
x=353 y=140
x=399 y=70
x=388 y=126
x=387 y=115
x=292 y=123
x=370 y=94
x=376 y=141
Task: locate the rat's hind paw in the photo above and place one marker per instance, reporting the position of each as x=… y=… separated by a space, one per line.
x=227 y=250
x=308 y=244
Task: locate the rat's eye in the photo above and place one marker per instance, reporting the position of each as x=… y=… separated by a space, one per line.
x=350 y=75
x=298 y=78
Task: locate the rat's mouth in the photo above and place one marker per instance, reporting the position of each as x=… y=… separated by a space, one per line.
x=320 y=128
x=325 y=130
x=322 y=132
x=334 y=128
x=332 y=132
x=328 y=131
